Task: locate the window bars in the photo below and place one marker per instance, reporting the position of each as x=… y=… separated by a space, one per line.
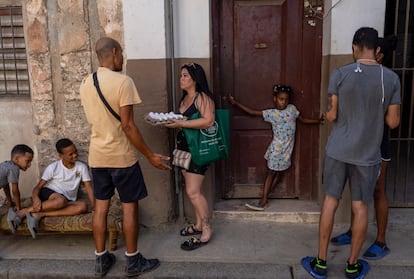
x=14 y=76
x=399 y=21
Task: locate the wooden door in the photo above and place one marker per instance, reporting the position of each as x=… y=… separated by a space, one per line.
x=258 y=44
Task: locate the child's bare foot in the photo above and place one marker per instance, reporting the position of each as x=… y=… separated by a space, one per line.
x=263 y=203
x=37 y=216
x=22 y=212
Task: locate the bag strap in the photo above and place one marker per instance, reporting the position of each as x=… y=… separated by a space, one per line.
x=195 y=101
x=96 y=83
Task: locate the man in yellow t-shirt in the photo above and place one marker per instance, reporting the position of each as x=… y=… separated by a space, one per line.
x=113 y=155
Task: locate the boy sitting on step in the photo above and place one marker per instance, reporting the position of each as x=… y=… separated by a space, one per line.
x=57 y=191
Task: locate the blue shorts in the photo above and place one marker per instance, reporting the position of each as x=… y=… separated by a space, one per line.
x=361 y=179
x=128 y=181
x=45 y=193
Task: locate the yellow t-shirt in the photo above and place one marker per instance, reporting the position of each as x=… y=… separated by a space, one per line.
x=109 y=146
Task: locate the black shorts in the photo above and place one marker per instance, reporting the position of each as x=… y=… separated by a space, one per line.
x=45 y=193
x=183 y=145
x=128 y=181
x=385 y=145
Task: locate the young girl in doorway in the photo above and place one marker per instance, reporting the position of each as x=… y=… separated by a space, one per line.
x=278 y=154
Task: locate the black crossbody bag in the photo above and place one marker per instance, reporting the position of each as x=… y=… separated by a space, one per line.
x=96 y=83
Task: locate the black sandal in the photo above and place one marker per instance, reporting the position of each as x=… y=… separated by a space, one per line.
x=186 y=231
x=192 y=244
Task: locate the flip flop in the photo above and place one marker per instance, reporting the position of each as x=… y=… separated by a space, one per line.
x=186 y=231
x=32 y=224
x=376 y=252
x=342 y=239
x=192 y=244
x=365 y=269
x=13 y=220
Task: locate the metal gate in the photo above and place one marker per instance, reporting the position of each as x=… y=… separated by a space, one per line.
x=399 y=21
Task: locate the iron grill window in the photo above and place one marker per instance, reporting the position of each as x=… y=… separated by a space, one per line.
x=399 y=21
x=14 y=76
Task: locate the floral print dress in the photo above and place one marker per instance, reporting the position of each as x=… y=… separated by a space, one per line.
x=279 y=152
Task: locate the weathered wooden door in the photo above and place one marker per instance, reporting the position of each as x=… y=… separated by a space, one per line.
x=258 y=44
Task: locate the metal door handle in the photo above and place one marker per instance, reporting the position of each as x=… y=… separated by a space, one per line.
x=260 y=45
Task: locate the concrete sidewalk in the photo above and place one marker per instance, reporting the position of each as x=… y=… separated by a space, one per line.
x=239 y=249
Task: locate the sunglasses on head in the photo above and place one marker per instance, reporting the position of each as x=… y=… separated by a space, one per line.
x=281 y=88
x=190 y=65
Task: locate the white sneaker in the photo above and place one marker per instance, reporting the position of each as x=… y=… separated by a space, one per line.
x=254 y=207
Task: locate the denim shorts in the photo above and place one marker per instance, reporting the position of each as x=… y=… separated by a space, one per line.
x=361 y=179
x=128 y=181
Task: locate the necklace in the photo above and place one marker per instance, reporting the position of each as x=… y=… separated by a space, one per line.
x=188 y=100
x=367 y=60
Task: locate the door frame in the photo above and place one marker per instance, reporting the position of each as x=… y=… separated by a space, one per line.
x=307 y=177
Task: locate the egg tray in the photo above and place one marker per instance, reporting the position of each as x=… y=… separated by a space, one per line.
x=157 y=122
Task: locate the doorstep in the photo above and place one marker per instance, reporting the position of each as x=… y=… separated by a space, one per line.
x=278 y=210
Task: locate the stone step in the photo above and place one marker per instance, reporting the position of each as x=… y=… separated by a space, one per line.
x=278 y=210
x=295 y=211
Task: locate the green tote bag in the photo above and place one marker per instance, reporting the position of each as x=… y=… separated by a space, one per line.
x=211 y=144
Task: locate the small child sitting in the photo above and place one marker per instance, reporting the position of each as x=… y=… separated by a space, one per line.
x=21 y=158
x=57 y=191
x=278 y=154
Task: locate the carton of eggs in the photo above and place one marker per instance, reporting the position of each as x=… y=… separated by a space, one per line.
x=161 y=118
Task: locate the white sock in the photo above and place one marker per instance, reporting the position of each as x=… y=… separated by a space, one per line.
x=131 y=254
x=101 y=253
